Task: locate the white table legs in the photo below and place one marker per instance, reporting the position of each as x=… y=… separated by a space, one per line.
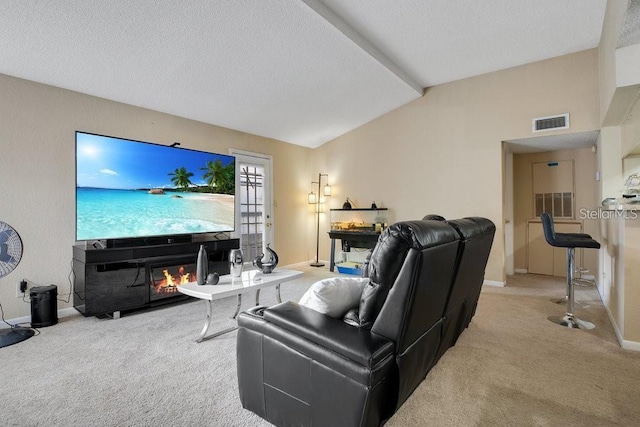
x=240 y=303
x=203 y=335
x=258 y=297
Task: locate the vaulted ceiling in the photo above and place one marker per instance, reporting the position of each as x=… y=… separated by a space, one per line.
x=300 y=71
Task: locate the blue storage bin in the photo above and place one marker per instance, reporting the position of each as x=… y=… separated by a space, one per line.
x=350 y=268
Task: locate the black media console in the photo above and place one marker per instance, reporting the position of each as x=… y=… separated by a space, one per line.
x=111 y=280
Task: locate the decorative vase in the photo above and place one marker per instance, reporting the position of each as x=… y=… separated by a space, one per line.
x=202 y=266
x=235 y=262
x=268 y=266
x=346 y=205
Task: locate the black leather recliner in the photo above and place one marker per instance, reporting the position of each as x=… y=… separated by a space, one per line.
x=297 y=366
x=476 y=239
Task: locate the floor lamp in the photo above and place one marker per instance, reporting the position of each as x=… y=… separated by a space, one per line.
x=317 y=200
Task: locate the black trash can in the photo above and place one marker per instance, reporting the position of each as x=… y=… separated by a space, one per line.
x=44 y=306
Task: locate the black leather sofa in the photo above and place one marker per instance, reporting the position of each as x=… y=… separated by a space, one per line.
x=297 y=366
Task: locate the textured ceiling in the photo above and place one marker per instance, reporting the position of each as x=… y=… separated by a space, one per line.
x=301 y=71
x=630 y=31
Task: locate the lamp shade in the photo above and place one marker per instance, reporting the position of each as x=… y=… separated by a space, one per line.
x=327 y=190
x=311 y=197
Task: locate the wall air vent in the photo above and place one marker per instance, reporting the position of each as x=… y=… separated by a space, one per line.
x=542 y=124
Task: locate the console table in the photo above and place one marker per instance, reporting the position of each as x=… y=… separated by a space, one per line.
x=360 y=227
x=249 y=281
x=356 y=239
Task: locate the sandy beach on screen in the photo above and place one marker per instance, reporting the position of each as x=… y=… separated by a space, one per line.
x=225 y=199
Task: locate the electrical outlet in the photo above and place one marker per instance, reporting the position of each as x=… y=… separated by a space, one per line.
x=23 y=284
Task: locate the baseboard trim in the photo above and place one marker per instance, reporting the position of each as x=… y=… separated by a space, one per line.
x=616 y=329
x=521 y=271
x=305 y=264
x=631 y=345
x=494 y=283
x=300 y=264
x=626 y=344
x=64 y=312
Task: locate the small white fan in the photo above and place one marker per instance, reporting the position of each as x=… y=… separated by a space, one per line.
x=10 y=249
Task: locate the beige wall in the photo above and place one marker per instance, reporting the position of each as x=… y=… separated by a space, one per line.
x=37 y=198
x=620 y=288
x=631 y=326
x=631 y=133
x=614 y=16
x=619 y=86
x=442 y=153
x=620 y=256
x=610 y=162
x=439 y=154
x=585 y=190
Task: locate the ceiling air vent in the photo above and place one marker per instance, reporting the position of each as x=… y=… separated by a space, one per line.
x=542 y=124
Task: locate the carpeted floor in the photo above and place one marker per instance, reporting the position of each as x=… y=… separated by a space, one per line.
x=511 y=367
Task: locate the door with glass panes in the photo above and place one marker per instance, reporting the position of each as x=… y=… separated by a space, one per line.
x=254 y=222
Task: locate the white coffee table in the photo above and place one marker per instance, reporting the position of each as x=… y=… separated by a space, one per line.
x=249 y=281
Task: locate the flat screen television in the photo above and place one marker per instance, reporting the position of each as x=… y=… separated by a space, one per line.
x=139 y=191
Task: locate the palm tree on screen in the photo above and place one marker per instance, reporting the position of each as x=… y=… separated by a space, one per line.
x=219 y=177
x=229 y=181
x=214 y=174
x=180 y=177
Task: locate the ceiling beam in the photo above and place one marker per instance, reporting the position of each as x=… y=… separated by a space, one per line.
x=364 y=44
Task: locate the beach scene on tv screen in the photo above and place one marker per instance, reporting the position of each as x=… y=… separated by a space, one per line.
x=135 y=189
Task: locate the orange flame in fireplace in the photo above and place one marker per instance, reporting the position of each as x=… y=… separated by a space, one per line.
x=175 y=281
x=170 y=282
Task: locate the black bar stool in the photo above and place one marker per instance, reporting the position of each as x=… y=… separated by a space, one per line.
x=579 y=281
x=571 y=241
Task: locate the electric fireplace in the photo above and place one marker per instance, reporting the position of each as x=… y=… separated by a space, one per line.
x=108 y=281
x=164 y=279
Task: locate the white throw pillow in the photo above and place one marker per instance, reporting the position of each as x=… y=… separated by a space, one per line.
x=334 y=296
